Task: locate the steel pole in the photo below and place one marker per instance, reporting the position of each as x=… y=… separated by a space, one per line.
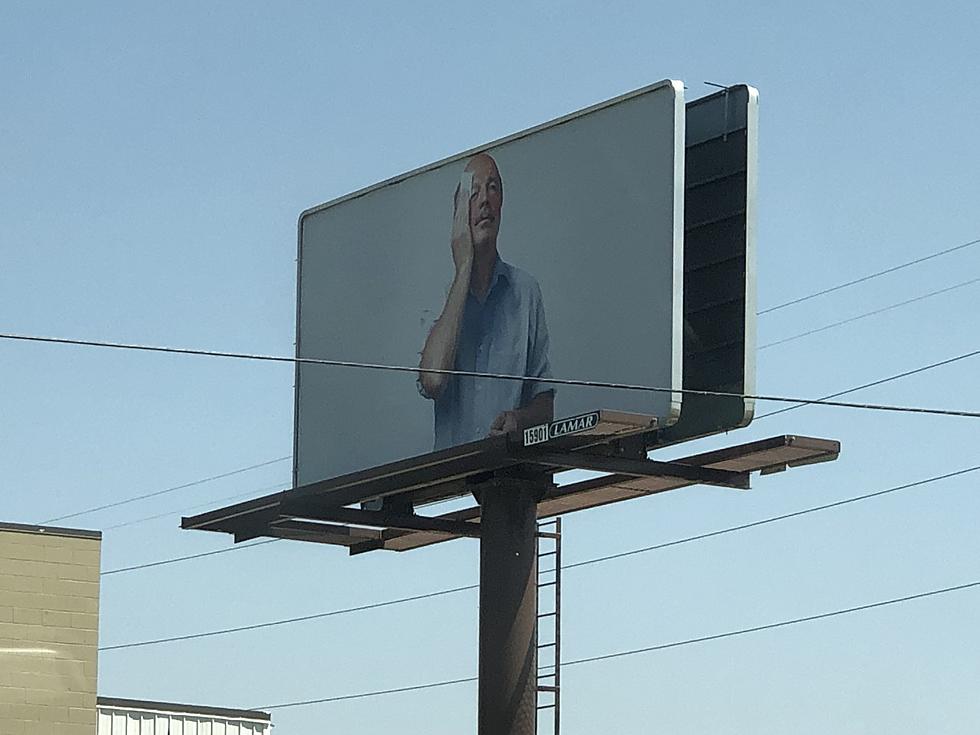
x=508 y=607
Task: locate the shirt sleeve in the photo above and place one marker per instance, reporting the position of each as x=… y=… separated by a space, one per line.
x=538 y=361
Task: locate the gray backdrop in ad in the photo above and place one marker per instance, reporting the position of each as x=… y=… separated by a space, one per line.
x=592 y=217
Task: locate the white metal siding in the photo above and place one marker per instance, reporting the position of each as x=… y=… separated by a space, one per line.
x=116 y=721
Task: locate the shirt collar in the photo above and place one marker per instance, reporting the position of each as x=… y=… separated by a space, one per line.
x=501 y=270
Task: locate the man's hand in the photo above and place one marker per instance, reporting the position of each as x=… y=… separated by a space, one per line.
x=439 y=350
x=462 y=238
x=540 y=410
x=505 y=423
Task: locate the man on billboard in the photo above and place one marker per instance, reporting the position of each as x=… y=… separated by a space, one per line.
x=493 y=322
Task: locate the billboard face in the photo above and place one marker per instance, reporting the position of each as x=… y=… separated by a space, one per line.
x=556 y=252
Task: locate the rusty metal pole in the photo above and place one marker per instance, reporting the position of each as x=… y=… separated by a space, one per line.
x=508 y=606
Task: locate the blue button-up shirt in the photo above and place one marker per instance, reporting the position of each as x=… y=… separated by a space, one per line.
x=505 y=333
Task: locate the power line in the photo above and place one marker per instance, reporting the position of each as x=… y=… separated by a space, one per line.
x=495 y=376
x=771 y=519
x=244 y=355
x=300 y=619
x=363 y=695
x=647 y=649
x=874 y=383
x=779 y=624
x=157 y=493
x=866 y=314
x=881 y=381
x=163 y=562
x=868 y=277
x=771 y=413
x=439 y=593
x=170 y=513
x=800 y=402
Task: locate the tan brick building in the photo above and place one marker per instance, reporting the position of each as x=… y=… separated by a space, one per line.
x=49 y=623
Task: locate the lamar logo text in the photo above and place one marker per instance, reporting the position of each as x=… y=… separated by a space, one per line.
x=573 y=425
x=564 y=427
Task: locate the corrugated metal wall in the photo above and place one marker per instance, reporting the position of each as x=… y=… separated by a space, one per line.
x=134 y=722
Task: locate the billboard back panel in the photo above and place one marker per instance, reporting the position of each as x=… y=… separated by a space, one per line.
x=719 y=263
x=567 y=263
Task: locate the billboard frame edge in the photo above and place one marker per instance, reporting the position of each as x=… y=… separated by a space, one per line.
x=677 y=87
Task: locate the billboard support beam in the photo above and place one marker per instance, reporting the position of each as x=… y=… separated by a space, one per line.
x=508 y=676
x=304 y=509
x=642 y=467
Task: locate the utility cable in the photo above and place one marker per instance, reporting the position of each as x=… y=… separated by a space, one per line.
x=363 y=695
x=866 y=314
x=278 y=487
x=765 y=311
x=164 y=562
x=868 y=277
x=881 y=381
x=779 y=624
x=302 y=618
x=829 y=396
x=771 y=519
x=677 y=542
x=414 y=370
x=648 y=649
x=761 y=416
x=157 y=493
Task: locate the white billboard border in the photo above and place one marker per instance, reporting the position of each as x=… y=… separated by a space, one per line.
x=751 y=211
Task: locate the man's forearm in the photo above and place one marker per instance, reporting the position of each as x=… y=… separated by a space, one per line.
x=439 y=352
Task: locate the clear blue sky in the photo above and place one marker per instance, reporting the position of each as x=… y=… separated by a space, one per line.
x=153 y=161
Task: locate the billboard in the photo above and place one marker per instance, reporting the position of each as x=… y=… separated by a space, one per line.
x=553 y=253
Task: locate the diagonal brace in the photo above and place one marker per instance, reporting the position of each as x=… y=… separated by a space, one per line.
x=643 y=468
x=302 y=508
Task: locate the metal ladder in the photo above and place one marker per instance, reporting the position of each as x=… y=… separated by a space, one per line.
x=549 y=624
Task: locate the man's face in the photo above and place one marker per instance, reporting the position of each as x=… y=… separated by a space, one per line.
x=486 y=200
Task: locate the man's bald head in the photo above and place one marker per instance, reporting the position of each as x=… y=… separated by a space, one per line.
x=483 y=164
x=486 y=200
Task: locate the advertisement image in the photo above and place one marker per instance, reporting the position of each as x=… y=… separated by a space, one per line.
x=553 y=254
